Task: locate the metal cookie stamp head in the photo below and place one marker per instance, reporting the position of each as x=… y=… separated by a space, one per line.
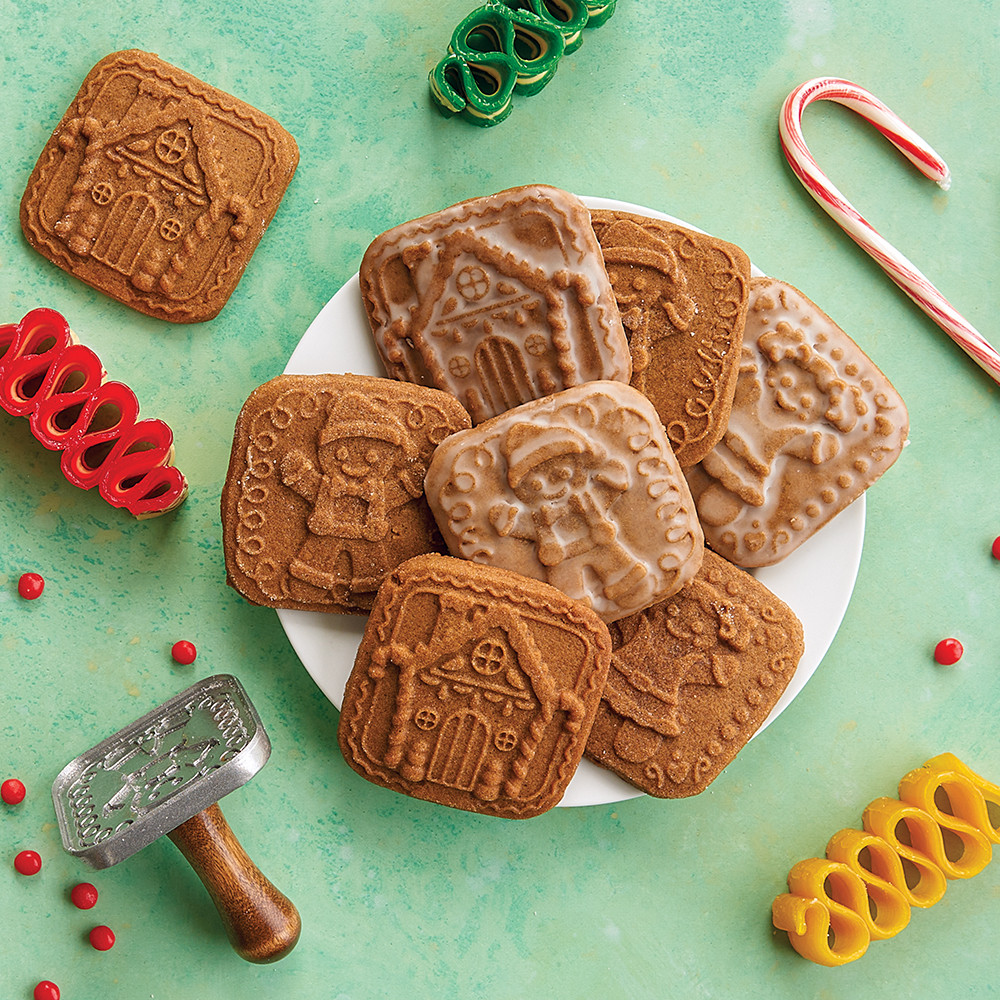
x=164 y=774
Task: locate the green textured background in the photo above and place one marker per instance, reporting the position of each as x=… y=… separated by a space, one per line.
x=668 y=105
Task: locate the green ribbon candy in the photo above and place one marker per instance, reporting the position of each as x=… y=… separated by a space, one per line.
x=507 y=47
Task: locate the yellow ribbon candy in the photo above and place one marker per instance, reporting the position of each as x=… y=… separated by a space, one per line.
x=939 y=828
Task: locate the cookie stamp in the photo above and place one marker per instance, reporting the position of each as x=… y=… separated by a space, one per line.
x=814 y=423
x=692 y=679
x=474 y=688
x=324 y=493
x=683 y=301
x=497 y=300
x=155 y=188
x=579 y=489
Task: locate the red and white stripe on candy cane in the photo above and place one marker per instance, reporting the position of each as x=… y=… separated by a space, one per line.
x=926 y=160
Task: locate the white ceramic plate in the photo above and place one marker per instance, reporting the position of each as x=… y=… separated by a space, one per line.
x=815 y=581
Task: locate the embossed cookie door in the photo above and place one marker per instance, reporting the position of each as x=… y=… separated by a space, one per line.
x=125 y=231
x=503 y=374
x=459 y=751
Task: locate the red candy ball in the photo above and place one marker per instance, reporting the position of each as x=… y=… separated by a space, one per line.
x=184 y=652
x=28 y=863
x=12 y=791
x=84 y=895
x=46 y=991
x=948 y=651
x=996 y=547
x=102 y=938
x=30 y=586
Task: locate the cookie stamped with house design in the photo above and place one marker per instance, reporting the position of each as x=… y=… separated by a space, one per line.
x=498 y=300
x=156 y=188
x=473 y=687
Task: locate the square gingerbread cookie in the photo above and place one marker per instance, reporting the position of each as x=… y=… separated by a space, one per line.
x=325 y=489
x=474 y=688
x=814 y=424
x=156 y=188
x=580 y=489
x=683 y=300
x=498 y=300
x=692 y=679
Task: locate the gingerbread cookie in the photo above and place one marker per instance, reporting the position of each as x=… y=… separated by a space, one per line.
x=497 y=300
x=579 y=489
x=324 y=493
x=473 y=687
x=683 y=301
x=155 y=188
x=692 y=679
x=814 y=423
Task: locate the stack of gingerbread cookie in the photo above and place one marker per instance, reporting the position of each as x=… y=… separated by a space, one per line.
x=576 y=404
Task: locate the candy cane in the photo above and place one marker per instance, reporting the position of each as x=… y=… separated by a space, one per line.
x=918 y=152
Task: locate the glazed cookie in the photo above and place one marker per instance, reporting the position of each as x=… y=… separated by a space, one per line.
x=497 y=300
x=683 y=301
x=324 y=493
x=473 y=687
x=579 y=489
x=814 y=423
x=156 y=188
x=692 y=679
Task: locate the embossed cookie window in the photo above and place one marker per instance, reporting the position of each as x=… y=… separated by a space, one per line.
x=505 y=741
x=536 y=345
x=172 y=146
x=472 y=283
x=425 y=719
x=102 y=193
x=171 y=229
x=489 y=657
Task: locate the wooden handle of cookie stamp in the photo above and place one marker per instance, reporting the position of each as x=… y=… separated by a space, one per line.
x=262 y=923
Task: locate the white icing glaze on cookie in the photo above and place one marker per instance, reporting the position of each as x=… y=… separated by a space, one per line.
x=580 y=489
x=814 y=423
x=497 y=300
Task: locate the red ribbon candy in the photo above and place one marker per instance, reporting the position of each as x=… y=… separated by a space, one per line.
x=59 y=385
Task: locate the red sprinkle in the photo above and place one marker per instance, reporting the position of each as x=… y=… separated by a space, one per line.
x=28 y=863
x=102 y=938
x=184 y=652
x=46 y=991
x=12 y=791
x=948 y=651
x=84 y=895
x=30 y=586
x=996 y=547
